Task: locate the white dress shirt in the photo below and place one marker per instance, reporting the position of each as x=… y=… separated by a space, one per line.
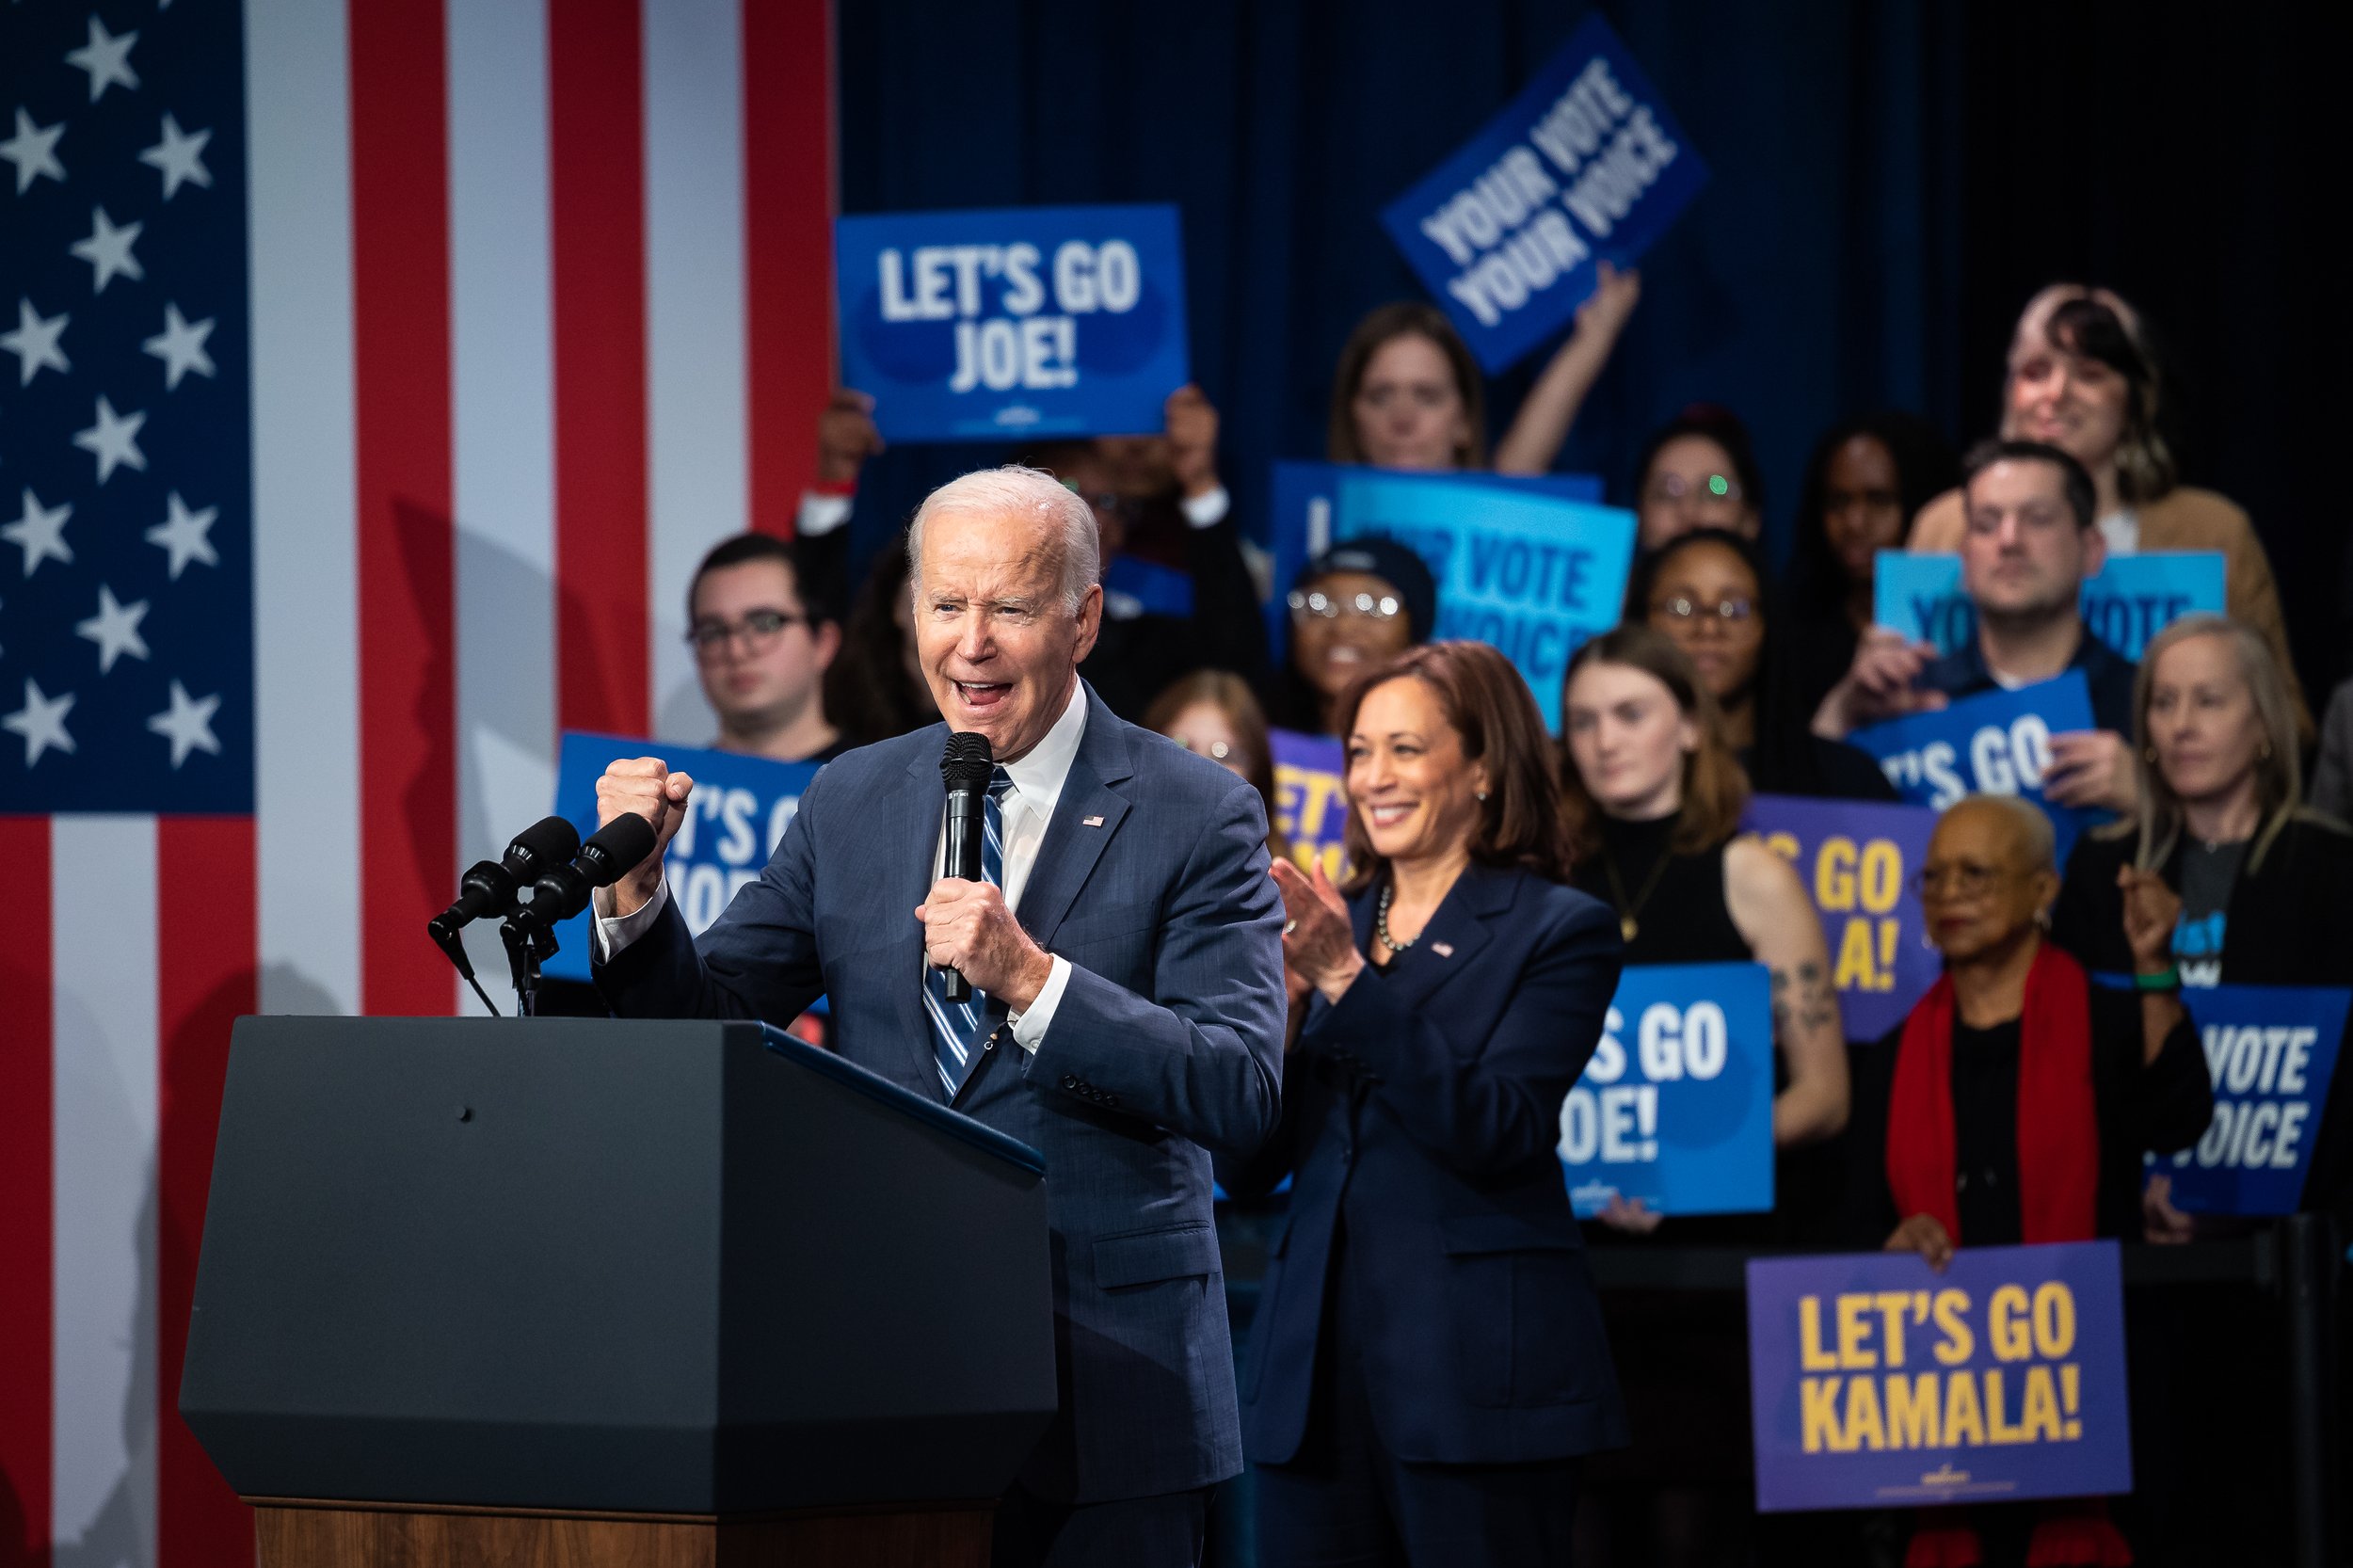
x=1024 y=813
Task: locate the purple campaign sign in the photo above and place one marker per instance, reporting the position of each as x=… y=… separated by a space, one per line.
x=1877 y=1383
x=1310 y=803
x=1858 y=859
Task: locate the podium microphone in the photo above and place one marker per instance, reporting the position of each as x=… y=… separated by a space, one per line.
x=965 y=767
x=489 y=886
x=562 y=891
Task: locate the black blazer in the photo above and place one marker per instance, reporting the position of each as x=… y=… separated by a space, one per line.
x=1422 y=1113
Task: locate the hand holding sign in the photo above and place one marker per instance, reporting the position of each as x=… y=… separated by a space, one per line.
x=846 y=436
x=2091 y=769
x=647 y=786
x=1879 y=684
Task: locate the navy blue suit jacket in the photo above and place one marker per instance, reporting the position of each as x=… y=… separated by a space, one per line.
x=1423 y=1113
x=1166 y=1046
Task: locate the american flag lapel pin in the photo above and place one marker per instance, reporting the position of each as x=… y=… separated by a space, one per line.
x=1444 y=949
x=1090 y=821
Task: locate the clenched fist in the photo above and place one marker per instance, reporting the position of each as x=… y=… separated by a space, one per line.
x=967 y=928
x=647 y=786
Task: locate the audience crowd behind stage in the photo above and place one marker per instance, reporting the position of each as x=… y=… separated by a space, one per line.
x=2226 y=860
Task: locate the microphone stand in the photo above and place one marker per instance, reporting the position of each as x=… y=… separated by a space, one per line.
x=529 y=944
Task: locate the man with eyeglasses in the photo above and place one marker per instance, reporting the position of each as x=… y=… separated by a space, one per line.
x=764 y=630
x=2031 y=540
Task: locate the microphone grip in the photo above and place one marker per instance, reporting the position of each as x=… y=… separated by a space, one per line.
x=966 y=832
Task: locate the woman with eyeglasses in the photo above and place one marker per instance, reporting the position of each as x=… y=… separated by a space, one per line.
x=1357 y=605
x=1212 y=713
x=2016 y=1102
x=1697 y=471
x=1706 y=590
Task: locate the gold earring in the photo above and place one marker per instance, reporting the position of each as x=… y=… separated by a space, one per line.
x=2148 y=755
x=2265 y=752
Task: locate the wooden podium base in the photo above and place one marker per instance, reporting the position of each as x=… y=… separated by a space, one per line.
x=293 y=1534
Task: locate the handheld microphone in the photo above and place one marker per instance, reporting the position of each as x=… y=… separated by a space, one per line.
x=491 y=886
x=965 y=767
x=562 y=891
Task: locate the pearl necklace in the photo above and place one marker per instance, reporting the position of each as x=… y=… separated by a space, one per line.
x=1381 y=922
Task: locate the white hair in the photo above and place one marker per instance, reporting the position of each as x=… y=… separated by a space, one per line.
x=2035 y=833
x=1023 y=492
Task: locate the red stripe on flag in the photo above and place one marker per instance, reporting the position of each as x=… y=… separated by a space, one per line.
x=401 y=371
x=206 y=941
x=26 y=1192
x=596 y=243
x=787 y=242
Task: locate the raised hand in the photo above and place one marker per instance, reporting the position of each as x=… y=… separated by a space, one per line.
x=647 y=786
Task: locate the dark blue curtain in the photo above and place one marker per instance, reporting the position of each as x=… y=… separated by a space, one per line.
x=1813 y=279
x=1891 y=181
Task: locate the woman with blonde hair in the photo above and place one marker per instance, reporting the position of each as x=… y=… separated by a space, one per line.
x=2083 y=376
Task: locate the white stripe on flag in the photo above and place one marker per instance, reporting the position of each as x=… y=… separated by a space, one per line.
x=305 y=610
x=103 y=1109
x=698 y=479
x=502 y=447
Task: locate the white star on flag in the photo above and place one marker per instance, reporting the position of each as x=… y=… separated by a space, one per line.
x=185 y=535
x=42 y=722
x=34 y=152
x=115 y=629
x=35 y=342
x=114 y=441
x=181 y=157
x=187 y=724
x=41 y=533
x=106 y=58
x=108 y=251
x=178 y=345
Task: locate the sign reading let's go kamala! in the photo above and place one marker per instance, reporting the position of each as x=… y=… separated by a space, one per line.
x=1676 y=1106
x=1585 y=165
x=1859 y=859
x=1877 y=1382
x=1009 y=324
x=733 y=820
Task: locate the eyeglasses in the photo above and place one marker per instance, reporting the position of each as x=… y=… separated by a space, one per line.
x=1962 y=881
x=1217 y=750
x=760 y=628
x=1683 y=607
x=1103 y=502
x=1673 y=486
x=1325 y=606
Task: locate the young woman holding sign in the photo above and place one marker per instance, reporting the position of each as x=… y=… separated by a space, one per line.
x=1427 y=1366
x=1651 y=801
x=1407 y=395
x=2084 y=376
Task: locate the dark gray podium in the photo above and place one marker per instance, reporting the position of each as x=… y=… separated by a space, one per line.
x=599 y=1291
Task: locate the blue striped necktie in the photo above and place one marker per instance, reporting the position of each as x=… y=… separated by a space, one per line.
x=959 y=1027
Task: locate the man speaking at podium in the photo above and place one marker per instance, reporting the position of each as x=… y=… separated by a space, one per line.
x=1126 y=1024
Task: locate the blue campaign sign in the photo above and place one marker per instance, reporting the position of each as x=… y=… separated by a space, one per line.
x=1585 y=165
x=1676 y=1106
x=1534 y=575
x=1997 y=743
x=1877 y=1383
x=1014 y=322
x=2272 y=1050
x=1306 y=494
x=2131 y=599
x=733 y=820
x=1311 y=798
x=1858 y=859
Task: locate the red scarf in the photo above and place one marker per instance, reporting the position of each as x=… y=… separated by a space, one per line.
x=2058 y=1136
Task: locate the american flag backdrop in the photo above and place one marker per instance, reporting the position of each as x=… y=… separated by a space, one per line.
x=371 y=374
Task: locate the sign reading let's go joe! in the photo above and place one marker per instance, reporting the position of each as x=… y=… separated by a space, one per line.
x=1676 y=1106
x=1877 y=1382
x=2125 y=604
x=733 y=820
x=1585 y=165
x=1008 y=324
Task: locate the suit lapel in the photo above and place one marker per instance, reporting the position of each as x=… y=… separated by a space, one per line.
x=1455 y=932
x=1084 y=820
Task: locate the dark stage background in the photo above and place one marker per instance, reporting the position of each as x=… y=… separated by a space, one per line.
x=1889 y=182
